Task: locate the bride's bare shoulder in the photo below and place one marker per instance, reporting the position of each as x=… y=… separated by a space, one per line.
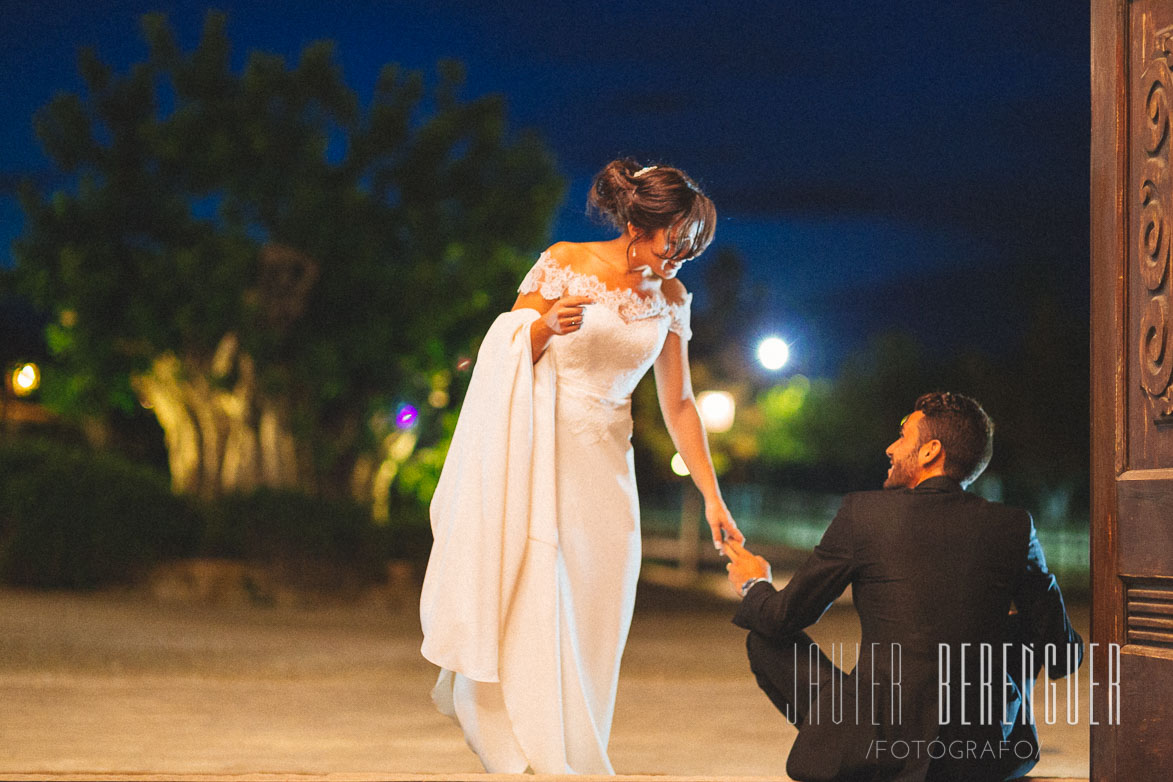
x=580 y=257
x=568 y=254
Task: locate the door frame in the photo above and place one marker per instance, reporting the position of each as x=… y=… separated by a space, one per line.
x=1110 y=47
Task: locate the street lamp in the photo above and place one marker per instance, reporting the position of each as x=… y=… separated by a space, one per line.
x=773 y=353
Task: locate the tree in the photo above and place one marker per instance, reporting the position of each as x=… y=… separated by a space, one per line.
x=266 y=263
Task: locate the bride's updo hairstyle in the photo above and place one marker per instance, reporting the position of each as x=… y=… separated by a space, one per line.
x=655 y=197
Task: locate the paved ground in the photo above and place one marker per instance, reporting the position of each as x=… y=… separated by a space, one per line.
x=120 y=683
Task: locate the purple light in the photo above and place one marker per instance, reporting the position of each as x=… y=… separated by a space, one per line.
x=406 y=416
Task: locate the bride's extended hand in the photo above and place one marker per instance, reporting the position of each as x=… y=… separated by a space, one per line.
x=565 y=315
x=722 y=524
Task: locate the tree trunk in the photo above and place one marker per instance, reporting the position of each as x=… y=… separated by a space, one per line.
x=220 y=438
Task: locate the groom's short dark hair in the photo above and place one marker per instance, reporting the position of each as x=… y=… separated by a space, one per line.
x=965 y=431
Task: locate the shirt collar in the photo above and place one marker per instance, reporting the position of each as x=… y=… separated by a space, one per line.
x=938 y=483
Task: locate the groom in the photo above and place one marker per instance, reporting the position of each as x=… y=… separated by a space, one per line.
x=941 y=689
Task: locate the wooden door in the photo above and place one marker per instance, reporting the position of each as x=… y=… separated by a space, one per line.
x=1132 y=392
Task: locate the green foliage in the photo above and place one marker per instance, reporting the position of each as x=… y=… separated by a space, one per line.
x=840 y=427
x=73 y=518
x=417 y=212
x=307 y=536
x=79 y=519
x=793 y=422
x=876 y=387
x=421 y=473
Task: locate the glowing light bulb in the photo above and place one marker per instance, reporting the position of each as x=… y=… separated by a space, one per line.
x=773 y=353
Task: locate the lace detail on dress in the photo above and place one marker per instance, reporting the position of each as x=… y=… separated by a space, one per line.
x=553 y=281
x=592 y=417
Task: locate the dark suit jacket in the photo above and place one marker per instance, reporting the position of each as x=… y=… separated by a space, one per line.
x=928 y=566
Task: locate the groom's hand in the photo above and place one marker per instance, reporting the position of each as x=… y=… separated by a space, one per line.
x=744 y=565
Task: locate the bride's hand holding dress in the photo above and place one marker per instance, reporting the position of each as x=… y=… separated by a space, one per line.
x=564 y=316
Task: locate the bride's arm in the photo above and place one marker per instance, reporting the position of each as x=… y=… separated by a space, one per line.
x=674 y=389
x=539 y=332
x=557 y=317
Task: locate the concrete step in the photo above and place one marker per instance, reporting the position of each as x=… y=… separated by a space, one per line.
x=293 y=777
x=275 y=777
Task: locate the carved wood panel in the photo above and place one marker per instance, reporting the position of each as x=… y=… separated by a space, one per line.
x=1153 y=245
x=1151 y=239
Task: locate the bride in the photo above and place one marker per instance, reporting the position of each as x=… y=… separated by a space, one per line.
x=531 y=582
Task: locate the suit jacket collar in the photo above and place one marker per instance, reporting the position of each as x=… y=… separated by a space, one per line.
x=939 y=483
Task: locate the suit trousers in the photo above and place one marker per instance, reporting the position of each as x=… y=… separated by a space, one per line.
x=791 y=672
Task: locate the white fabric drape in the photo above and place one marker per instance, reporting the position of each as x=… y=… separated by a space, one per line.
x=494 y=509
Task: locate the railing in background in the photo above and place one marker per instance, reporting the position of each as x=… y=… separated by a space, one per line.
x=783 y=525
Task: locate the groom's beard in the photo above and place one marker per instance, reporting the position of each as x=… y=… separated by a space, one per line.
x=902 y=474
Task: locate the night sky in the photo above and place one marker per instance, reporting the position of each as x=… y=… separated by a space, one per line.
x=901 y=164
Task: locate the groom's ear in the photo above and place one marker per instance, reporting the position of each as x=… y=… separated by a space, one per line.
x=929 y=452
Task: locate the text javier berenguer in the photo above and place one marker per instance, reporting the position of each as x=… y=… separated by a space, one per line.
x=974 y=685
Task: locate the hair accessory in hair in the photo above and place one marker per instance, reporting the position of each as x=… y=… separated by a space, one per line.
x=643 y=171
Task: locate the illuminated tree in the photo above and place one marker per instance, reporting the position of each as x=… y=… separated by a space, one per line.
x=266 y=263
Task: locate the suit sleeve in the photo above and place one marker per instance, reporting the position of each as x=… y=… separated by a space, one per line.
x=1042 y=615
x=821 y=579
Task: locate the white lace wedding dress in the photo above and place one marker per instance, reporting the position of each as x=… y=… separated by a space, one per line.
x=565 y=625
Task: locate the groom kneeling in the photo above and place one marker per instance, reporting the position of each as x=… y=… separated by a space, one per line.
x=942 y=685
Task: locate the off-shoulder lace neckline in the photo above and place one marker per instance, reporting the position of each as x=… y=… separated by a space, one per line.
x=553 y=280
x=657 y=293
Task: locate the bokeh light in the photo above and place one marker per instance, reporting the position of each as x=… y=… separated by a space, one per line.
x=678 y=465
x=406 y=416
x=400 y=445
x=26 y=379
x=717 y=409
x=792 y=396
x=773 y=353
